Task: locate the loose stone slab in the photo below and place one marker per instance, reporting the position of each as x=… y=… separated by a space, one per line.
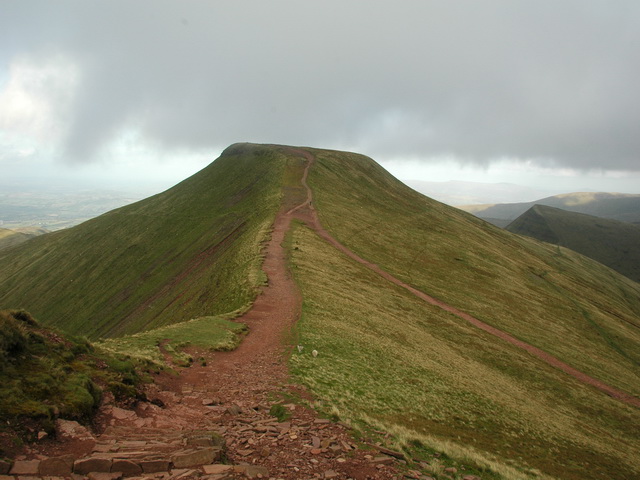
x=154 y=466
x=252 y=471
x=57 y=466
x=383 y=459
x=88 y=465
x=104 y=476
x=196 y=458
x=127 y=467
x=25 y=467
x=216 y=469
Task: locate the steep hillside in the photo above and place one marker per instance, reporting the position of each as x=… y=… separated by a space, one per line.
x=193 y=250
x=392 y=361
x=616 y=206
x=612 y=243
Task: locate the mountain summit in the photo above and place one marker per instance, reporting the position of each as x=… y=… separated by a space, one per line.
x=427 y=323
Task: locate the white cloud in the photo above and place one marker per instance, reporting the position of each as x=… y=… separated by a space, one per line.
x=35 y=98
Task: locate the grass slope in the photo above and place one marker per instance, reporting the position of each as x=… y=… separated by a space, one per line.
x=616 y=206
x=610 y=242
x=213 y=333
x=191 y=251
x=390 y=361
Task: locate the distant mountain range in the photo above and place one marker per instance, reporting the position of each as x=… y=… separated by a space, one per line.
x=616 y=206
x=611 y=242
x=456 y=192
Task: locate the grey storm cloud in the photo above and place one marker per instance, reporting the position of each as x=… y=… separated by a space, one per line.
x=478 y=80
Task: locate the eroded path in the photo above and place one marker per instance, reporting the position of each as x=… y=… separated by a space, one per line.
x=307 y=213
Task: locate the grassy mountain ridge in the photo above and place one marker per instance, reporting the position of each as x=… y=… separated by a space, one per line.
x=190 y=251
x=387 y=360
x=616 y=206
x=610 y=242
x=403 y=366
x=497 y=277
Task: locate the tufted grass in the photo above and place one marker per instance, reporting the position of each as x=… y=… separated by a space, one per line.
x=388 y=361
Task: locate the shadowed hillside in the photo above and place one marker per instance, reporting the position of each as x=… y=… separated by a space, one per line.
x=612 y=243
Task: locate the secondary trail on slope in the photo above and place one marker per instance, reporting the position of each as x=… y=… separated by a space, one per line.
x=307 y=213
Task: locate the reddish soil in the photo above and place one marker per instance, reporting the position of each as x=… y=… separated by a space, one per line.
x=310 y=216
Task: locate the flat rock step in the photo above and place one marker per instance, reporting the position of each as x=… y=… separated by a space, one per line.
x=100 y=470
x=119 y=453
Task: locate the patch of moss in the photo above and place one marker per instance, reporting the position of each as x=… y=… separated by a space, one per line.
x=44 y=375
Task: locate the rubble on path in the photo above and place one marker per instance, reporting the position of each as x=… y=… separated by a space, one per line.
x=192 y=436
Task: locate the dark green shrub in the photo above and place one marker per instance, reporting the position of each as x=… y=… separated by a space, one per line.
x=13 y=339
x=25 y=317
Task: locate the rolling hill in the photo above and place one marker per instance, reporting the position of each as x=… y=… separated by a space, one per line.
x=421 y=370
x=615 y=206
x=610 y=242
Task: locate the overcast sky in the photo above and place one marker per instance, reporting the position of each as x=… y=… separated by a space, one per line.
x=524 y=91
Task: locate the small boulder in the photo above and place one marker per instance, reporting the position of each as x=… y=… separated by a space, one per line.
x=252 y=471
x=70 y=430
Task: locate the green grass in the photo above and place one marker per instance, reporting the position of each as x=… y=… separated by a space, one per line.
x=45 y=375
x=564 y=303
x=191 y=251
x=610 y=242
x=391 y=362
x=212 y=333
